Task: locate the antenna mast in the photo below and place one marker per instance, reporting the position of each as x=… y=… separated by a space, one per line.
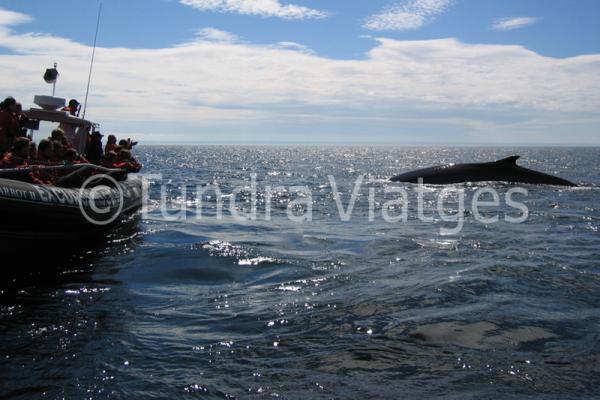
x=92 y=62
x=54 y=83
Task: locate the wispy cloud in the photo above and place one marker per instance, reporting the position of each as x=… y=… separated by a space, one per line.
x=411 y=14
x=8 y=17
x=216 y=35
x=263 y=8
x=293 y=46
x=216 y=87
x=507 y=24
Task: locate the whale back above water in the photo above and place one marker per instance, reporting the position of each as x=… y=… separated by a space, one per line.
x=505 y=170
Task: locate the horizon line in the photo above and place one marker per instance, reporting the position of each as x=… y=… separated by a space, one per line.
x=333 y=143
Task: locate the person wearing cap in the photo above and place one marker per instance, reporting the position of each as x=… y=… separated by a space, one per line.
x=72 y=108
x=69 y=129
x=94 y=152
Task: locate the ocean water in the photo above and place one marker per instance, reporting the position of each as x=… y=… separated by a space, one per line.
x=187 y=302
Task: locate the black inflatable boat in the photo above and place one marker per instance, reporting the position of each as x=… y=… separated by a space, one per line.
x=86 y=199
x=44 y=212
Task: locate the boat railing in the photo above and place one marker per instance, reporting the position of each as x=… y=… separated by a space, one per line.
x=23 y=172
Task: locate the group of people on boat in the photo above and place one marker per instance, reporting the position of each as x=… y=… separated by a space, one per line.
x=67 y=145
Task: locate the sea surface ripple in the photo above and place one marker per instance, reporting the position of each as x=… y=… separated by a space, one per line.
x=188 y=305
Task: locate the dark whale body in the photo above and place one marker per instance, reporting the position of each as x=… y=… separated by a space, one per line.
x=505 y=170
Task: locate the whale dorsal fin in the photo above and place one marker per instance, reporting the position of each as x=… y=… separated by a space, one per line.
x=509 y=161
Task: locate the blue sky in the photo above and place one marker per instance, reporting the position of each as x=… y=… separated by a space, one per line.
x=434 y=71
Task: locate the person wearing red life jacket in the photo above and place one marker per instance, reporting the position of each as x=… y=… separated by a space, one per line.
x=127 y=162
x=18 y=156
x=111 y=144
x=45 y=152
x=71 y=157
x=127 y=143
x=9 y=124
x=39 y=176
x=109 y=160
x=58 y=135
x=59 y=151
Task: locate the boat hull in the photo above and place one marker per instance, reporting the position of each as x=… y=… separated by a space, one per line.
x=41 y=210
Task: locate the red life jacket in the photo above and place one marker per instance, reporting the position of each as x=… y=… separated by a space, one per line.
x=10 y=161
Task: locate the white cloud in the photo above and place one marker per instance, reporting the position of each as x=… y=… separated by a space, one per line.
x=293 y=46
x=206 y=86
x=8 y=18
x=216 y=35
x=411 y=14
x=507 y=24
x=264 y=8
